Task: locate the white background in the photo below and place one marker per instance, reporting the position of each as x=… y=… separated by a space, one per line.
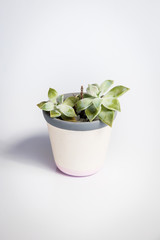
x=66 y=44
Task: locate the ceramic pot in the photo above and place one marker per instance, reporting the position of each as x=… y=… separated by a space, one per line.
x=79 y=148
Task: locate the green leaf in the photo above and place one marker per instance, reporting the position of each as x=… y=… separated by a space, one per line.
x=55 y=113
x=83 y=104
x=46 y=106
x=40 y=105
x=111 y=103
x=52 y=94
x=86 y=95
x=70 y=119
x=105 y=86
x=95 y=84
x=92 y=90
x=97 y=102
x=66 y=110
x=116 y=91
x=106 y=116
x=60 y=99
x=91 y=112
x=71 y=101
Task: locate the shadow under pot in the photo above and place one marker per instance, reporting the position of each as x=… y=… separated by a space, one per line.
x=79 y=148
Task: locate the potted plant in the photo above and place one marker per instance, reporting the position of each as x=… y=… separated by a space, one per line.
x=79 y=126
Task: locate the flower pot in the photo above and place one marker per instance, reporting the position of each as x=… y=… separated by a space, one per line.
x=79 y=148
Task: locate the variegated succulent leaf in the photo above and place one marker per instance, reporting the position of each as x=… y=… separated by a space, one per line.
x=71 y=101
x=55 y=113
x=52 y=95
x=116 y=91
x=66 y=110
x=105 y=86
x=83 y=104
x=92 y=112
x=92 y=90
x=111 y=103
x=106 y=115
x=46 y=106
x=60 y=99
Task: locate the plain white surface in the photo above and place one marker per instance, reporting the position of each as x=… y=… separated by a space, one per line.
x=64 y=44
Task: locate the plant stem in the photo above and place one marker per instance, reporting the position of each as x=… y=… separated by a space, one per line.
x=81 y=92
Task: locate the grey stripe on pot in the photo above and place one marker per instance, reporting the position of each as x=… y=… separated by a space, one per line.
x=74 y=126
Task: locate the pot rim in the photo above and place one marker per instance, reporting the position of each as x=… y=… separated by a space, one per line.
x=74 y=126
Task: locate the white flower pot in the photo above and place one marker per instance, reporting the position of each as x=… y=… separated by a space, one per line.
x=79 y=148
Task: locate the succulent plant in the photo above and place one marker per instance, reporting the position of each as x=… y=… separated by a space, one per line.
x=94 y=104
x=58 y=107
